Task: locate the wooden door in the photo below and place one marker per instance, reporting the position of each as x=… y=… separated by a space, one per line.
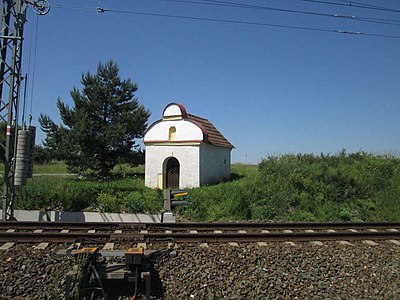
x=172 y=173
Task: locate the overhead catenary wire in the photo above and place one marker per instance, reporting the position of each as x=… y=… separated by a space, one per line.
x=34 y=68
x=28 y=75
x=355 y=5
x=230 y=21
x=100 y=10
x=312 y=13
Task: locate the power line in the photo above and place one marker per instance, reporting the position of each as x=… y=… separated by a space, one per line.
x=355 y=4
x=348 y=3
x=182 y=17
x=262 y=7
x=34 y=65
x=99 y=9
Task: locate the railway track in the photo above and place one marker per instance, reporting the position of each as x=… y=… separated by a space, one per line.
x=60 y=232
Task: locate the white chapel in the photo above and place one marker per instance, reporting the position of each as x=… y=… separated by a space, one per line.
x=184 y=151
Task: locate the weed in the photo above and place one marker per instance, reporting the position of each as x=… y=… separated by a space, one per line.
x=304 y=187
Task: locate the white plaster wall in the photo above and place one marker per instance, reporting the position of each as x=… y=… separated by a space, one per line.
x=185 y=131
x=172 y=110
x=188 y=157
x=215 y=164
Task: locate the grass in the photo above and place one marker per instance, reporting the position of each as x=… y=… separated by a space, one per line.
x=344 y=187
x=303 y=187
x=225 y=201
x=58 y=167
x=125 y=193
x=54 y=167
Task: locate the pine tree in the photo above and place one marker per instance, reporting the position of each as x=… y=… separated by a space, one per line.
x=101 y=129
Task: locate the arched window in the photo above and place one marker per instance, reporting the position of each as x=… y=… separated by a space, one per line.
x=172 y=133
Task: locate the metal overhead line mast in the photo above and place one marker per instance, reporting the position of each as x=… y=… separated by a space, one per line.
x=13 y=18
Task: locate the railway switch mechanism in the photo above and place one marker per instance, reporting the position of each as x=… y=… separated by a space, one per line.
x=92 y=276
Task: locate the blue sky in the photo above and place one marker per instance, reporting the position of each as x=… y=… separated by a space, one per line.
x=269 y=90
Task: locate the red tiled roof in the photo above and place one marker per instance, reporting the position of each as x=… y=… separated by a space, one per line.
x=211 y=134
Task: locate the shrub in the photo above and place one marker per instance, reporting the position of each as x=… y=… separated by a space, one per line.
x=73 y=194
x=302 y=216
x=345 y=214
x=304 y=187
x=320 y=185
x=107 y=203
x=134 y=202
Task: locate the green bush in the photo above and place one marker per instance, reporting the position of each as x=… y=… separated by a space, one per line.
x=127 y=195
x=302 y=216
x=345 y=214
x=107 y=203
x=304 y=187
x=50 y=192
x=134 y=202
x=320 y=185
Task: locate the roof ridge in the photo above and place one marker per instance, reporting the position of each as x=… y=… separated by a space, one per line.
x=192 y=115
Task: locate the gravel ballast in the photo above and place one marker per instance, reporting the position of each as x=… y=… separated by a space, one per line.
x=248 y=271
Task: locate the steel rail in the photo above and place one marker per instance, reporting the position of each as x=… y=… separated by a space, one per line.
x=98 y=237
x=272 y=236
x=59 y=225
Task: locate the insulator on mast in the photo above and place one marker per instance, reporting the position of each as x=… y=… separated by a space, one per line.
x=24 y=155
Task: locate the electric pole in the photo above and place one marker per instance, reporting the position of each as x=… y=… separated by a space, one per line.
x=13 y=18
